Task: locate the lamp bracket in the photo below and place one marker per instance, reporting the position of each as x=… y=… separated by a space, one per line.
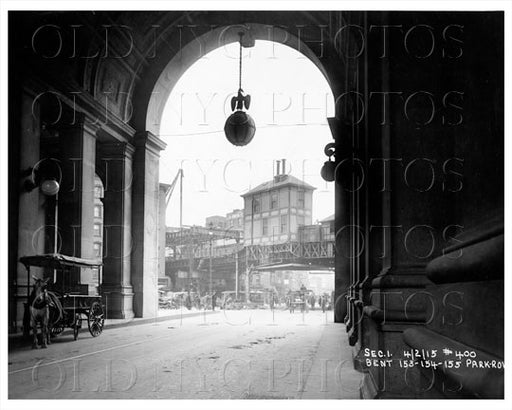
x=330 y=149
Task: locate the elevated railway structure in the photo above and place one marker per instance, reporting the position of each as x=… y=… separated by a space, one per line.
x=194 y=251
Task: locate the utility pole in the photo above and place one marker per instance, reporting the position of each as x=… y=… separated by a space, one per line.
x=236 y=274
x=190 y=258
x=210 y=233
x=210 y=266
x=181 y=198
x=247 y=270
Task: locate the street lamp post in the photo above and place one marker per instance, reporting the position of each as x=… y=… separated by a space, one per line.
x=47 y=174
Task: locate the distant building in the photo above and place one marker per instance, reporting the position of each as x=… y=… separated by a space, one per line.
x=216 y=221
x=235 y=219
x=98 y=226
x=98 y=218
x=274 y=210
x=328 y=232
x=323 y=231
x=321 y=282
x=281 y=281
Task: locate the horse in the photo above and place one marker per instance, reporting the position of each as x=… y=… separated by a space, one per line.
x=39 y=305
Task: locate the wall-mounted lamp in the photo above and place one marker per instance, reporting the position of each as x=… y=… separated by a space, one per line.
x=45 y=174
x=50 y=187
x=328 y=170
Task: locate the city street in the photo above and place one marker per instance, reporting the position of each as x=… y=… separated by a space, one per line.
x=252 y=354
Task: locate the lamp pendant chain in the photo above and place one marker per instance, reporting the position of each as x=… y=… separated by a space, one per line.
x=240 y=67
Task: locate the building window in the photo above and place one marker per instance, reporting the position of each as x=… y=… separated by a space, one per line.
x=97 y=230
x=300 y=220
x=95 y=275
x=98 y=191
x=265 y=226
x=97 y=211
x=300 y=201
x=273 y=200
x=284 y=223
x=256 y=205
x=97 y=249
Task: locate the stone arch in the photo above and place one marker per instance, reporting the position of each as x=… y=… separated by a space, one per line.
x=143 y=84
x=209 y=41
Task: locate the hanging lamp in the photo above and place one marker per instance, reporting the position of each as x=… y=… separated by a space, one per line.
x=240 y=127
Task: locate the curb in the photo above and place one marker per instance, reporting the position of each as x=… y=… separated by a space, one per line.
x=143 y=321
x=17 y=339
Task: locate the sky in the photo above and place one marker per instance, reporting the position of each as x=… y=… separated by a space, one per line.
x=290 y=101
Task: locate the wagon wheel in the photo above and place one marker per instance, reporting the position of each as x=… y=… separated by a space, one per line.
x=77 y=324
x=95 y=319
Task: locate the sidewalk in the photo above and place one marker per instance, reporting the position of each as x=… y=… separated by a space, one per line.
x=17 y=339
x=285 y=359
x=332 y=374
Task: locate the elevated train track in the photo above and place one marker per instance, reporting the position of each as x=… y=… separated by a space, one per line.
x=224 y=257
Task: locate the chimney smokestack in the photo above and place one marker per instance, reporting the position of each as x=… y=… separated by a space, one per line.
x=284 y=166
x=278 y=167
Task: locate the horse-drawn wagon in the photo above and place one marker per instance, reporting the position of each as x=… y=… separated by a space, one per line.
x=66 y=306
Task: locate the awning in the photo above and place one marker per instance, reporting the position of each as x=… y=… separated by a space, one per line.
x=292 y=266
x=57 y=260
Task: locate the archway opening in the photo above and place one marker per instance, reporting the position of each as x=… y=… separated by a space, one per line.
x=253 y=224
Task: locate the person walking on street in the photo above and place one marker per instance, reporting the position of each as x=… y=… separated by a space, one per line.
x=323 y=303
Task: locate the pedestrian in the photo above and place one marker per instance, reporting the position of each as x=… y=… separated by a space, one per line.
x=289 y=300
x=322 y=303
x=214 y=297
x=305 y=304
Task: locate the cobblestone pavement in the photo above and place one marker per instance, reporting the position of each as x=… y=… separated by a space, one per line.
x=255 y=354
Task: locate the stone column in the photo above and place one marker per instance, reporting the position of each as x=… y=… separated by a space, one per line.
x=31 y=215
x=115 y=168
x=343 y=231
x=144 y=223
x=76 y=195
x=407 y=203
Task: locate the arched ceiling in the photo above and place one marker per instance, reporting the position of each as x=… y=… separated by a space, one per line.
x=110 y=64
